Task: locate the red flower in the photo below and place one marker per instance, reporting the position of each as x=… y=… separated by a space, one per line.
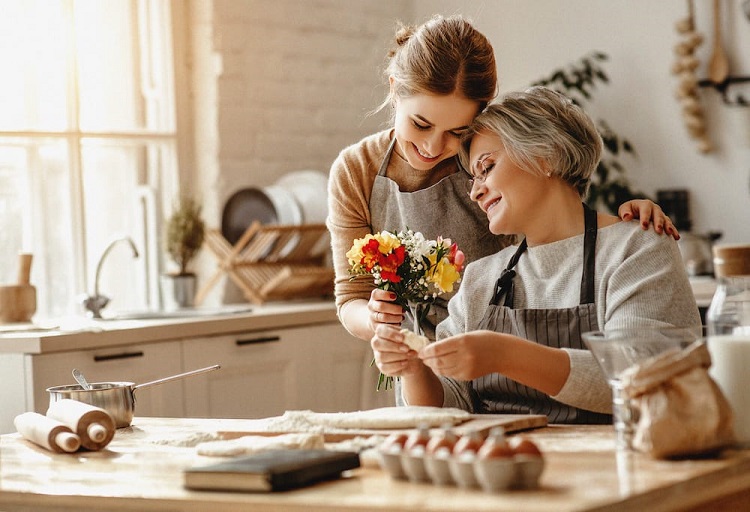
x=371 y=254
x=389 y=264
x=456 y=257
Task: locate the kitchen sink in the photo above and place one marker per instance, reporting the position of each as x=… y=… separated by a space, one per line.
x=179 y=313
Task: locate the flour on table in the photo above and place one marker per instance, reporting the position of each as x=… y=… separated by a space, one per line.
x=187 y=440
x=356 y=444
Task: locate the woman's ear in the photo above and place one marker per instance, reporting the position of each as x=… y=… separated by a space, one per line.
x=392 y=90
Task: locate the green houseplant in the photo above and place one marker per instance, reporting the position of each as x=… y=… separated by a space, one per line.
x=609 y=185
x=185 y=232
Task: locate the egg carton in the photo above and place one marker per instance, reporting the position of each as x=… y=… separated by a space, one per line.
x=466 y=470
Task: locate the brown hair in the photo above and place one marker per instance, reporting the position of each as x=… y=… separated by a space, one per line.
x=442 y=56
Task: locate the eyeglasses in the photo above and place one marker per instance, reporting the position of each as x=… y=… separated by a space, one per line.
x=481 y=169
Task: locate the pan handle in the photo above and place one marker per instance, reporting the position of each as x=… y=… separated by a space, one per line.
x=178 y=376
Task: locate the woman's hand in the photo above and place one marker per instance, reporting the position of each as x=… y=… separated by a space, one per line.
x=648 y=211
x=392 y=356
x=382 y=309
x=477 y=353
x=464 y=356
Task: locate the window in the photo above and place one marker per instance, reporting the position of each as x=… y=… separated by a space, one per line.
x=87 y=146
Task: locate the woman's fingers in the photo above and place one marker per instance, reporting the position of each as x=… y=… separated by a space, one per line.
x=392 y=356
x=382 y=308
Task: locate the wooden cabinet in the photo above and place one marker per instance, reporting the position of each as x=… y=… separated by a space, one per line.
x=131 y=363
x=265 y=373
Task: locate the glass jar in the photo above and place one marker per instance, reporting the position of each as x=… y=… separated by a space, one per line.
x=729 y=312
x=728 y=323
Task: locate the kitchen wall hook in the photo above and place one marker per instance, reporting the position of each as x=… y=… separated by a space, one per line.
x=723 y=88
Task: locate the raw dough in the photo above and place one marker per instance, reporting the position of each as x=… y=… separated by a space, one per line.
x=247 y=445
x=386 y=417
x=413 y=340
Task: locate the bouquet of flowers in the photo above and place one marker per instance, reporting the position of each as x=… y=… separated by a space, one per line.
x=417 y=270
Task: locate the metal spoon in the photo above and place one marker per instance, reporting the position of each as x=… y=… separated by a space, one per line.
x=80 y=379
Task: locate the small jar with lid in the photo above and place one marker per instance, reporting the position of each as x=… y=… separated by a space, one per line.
x=729 y=312
x=728 y=328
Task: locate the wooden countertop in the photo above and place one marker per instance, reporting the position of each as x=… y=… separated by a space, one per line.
x=83 y=333
x=584 y=473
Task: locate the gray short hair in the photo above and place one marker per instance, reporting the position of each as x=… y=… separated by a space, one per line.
x=543 y=132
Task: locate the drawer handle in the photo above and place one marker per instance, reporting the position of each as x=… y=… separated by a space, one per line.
x=124 y=355
x=255 y=341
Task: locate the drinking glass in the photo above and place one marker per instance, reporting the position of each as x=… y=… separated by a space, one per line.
x=618 y=350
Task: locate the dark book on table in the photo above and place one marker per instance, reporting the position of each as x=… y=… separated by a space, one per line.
x=273 y=470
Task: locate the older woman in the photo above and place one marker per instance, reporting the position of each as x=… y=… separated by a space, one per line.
x=512 y=343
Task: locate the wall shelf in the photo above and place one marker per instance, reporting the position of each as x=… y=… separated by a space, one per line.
x=273 y=262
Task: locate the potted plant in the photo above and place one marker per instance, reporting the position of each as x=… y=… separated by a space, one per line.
x=185 y=232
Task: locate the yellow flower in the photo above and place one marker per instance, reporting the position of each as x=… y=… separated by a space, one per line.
x=355 y=254
x=387 y=241
x=445 y=275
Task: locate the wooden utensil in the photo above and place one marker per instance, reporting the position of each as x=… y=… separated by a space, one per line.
x=718 y=64
x=18 y=302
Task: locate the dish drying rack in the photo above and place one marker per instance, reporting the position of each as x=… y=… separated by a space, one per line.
x=272 y=262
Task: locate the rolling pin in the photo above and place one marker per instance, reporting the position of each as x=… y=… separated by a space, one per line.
x=18 y=301
x=47 y=432
x=94 y=425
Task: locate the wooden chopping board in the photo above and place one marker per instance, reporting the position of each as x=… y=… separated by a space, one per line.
x=481 y=423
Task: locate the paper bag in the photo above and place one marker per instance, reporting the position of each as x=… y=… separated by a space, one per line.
x=680 y=409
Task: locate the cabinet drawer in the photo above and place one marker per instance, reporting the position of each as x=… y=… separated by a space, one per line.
x=132 y=363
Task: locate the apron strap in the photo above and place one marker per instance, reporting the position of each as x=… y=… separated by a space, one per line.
x=504 y=284
x=387 y=157
x=589 y=255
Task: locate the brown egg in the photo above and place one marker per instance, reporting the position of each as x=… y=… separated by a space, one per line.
x=468 y=444
x=394 y=442
x=523 y=446
x=417 y=440
x=495 y=446
x=442 y=443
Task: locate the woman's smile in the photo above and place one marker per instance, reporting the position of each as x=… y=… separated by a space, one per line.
x=424 y=156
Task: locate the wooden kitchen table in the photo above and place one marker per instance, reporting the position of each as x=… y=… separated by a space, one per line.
x=138 y=472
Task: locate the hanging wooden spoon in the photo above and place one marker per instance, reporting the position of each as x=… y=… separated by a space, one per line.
x=718 y=65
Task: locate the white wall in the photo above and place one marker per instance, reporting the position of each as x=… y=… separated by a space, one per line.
x=533 y=37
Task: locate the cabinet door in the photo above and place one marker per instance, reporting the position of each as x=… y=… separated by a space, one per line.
x=317 y=367
x=133 y=363
x=260 y=374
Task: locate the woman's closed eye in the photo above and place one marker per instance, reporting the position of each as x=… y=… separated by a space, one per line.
x=424 y=127
x=483 y=167
x=420 y=126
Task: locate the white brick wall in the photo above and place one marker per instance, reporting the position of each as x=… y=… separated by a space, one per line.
x=281 y=85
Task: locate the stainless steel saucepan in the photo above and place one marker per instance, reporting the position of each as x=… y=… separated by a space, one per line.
x=117 y=398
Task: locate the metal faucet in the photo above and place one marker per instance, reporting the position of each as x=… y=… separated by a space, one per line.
x=95 y=303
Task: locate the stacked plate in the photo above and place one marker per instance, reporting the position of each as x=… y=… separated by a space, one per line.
x=297 y=198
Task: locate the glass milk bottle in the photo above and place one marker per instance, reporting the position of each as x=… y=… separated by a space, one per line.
x=728 y=326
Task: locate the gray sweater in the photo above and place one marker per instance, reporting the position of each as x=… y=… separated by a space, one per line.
x=640 y=281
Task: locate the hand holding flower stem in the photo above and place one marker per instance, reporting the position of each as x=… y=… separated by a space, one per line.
x=417 y=270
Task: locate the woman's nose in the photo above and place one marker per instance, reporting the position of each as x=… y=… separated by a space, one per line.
x=434 y=144
x=477 y=190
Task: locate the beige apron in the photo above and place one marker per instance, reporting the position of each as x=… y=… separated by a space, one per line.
x=444 y=209
x=559 y=328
